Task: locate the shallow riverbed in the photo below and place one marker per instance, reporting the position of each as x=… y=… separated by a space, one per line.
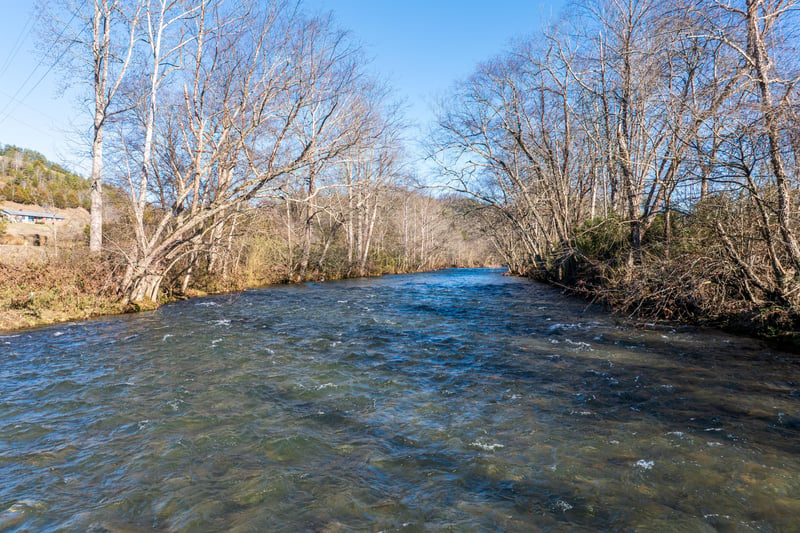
x=459 y=400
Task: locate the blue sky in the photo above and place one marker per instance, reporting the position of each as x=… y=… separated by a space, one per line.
x=422 y=47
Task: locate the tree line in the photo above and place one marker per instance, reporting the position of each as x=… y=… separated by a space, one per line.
x=644 y=151
x=27 y=177
x=247 y=137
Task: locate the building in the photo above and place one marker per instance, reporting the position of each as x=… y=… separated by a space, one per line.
x=31 y=217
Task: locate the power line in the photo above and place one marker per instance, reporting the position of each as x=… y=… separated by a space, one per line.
x=12 y=53
x=30 y=126
x=14 y=98
x=30 y=107
x=5 y=113
x=30 y=91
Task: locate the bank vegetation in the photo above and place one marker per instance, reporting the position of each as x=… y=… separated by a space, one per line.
x=645 y=154
x=233 y=144
x=405 y=231
x=640 y=153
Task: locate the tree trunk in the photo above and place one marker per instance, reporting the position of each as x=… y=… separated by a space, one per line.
x=762 y=68
x=308 y=229
x=368 y=241
x=228 y=252
x=188 y=276
x=96 y=194
x=141 y=282
x=324 y=254
x=146 y=289
x=100 y=53
x=667 y=231
x=289 y=241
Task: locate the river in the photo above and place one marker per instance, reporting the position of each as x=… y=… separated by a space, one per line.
x=459 y=400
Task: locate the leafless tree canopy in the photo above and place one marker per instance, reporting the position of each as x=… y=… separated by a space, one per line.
x=644 y=151
x=647 y=148
x=221 y=121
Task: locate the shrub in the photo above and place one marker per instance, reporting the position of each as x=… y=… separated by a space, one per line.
x=602 y=239
x=71 y=286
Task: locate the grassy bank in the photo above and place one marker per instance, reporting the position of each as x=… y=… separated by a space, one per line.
x=62 y=287
x=71 y=285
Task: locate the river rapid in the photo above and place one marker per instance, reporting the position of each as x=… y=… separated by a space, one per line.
x=459 y=400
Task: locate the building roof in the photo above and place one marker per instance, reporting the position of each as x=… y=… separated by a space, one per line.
x=32 y=214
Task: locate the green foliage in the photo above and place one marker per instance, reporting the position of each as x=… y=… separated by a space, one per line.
x=654 y=238
x=602 y=239
x=3 y=226
x=17 y=193
x=38 y=181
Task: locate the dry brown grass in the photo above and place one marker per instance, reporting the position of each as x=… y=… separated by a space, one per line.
x=69 y=286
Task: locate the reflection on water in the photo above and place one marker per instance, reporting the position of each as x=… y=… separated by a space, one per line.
x=454 y=401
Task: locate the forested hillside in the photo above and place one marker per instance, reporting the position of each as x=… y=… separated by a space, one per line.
x=27 y=177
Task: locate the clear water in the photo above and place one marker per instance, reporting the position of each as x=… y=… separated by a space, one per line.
x=459 y=400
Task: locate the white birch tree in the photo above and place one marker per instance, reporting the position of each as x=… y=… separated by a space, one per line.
x=92 y=42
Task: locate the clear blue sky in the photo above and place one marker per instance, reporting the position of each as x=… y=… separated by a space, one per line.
x=422 y=47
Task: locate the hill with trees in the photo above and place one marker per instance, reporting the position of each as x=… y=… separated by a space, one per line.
x=27 y=177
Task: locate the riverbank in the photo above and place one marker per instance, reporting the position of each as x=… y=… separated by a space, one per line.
x=647 y=296
x=70 y=285
x=62 y=287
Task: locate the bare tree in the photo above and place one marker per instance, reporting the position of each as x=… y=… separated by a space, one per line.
x=756 y=152
x=641 y=111
x=234 y=99
x=509 y=139
x=98 y=39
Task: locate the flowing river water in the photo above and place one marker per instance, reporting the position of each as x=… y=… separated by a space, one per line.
x=459 y=400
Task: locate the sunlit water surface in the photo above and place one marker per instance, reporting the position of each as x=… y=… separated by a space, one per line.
x=459 y=400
